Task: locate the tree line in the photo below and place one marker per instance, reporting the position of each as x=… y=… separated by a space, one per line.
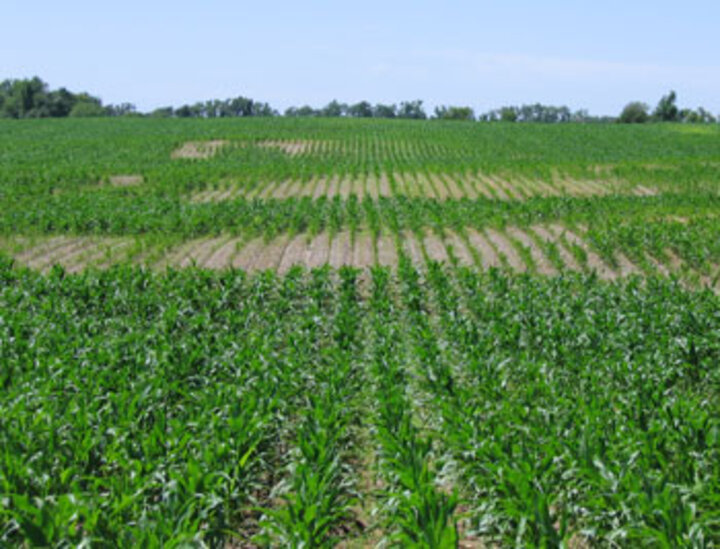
x=33 y=98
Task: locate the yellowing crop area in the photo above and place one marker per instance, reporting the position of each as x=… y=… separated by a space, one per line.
x=349 y=333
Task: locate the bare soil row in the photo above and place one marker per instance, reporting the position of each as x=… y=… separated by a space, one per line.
x=543 y=249
x=416 y=185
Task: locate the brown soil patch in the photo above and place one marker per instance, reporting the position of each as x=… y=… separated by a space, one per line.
x=204 y=196
x=676 y=263
x=577 y=187
x=225 y=194
x=481 y=189
x=641 y=190
x=425 y=187
x=307 y=188
x=283 y=189
x=405 y=184
x=222 y=257
x=437 y=183
x=435 y=247
x=485 y=251
x=318 y=252
x=345 y=188
x=594 y=261
x=506 y=249
x=258 y=190
x=321 y=188
x=567 y=258
x=290 y=147
x=373 y=187
x=494 y=189
x=53 y=255
x=657 y=265
x=271 y=254
x=387 y=253
x=341 y=252
x=78 y=259
x=466 y=187
x=199 y=149
x=544 y=188
x=413 y=248
x=74 y=254
x=247 y=255
x=45 y=246
x=112 y=254
x=294 y=253
x=455 y=190
x=625 y=266
x=516 y=188
x=203 y=249
x=384 y=188
x=460 y=250
x=363 y=252
x=125 y=180
x=175 y=255
x=542 y=263
x=100 y=254
x=333 y=188
x=359 y=187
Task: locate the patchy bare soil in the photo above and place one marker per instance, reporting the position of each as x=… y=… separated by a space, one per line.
x=199 y=149
x=125 y=180
x=570 y=250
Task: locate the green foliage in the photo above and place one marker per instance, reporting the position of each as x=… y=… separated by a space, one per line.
x=191 y=407
x=454 y=113
x=31 y=98
x=667 y=110
x=634 y=113
x=86 y=109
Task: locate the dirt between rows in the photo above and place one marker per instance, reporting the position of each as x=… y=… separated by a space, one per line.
x=507 y=248
x=199 y=149
x=414 y=185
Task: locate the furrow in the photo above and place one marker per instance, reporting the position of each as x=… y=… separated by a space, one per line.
x=541 y=262
x=507 y=250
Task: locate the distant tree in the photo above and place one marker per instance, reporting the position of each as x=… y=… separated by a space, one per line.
x=87 y=109
x=61 y=102
x=183 y=112
x=699 y=116
x=412 y=110
x=634 y=113
x=581 y=115
x=304 y=111
x=384 y=111
x=706 y=117
x=123 y=109
x=667 y=110
x=162 y=112
x=509 y=114
x=360 y=110
x=454 y=113
x=334 y=109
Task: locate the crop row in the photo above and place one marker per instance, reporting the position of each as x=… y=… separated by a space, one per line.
x=121 y=215
x=76 y=157
x=673 y=245
x=193 y=406
x=442 y=186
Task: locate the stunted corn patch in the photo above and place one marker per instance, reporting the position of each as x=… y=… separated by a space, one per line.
x=439 y=187
x=549 y=250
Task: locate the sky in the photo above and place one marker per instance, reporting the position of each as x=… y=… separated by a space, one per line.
x=595 y=55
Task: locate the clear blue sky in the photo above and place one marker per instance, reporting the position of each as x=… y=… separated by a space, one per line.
x=596 y=54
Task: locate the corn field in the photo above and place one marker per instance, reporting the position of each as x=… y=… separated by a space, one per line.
x=348 y=333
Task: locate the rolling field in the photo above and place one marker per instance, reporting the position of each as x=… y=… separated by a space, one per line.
x=348 y=333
